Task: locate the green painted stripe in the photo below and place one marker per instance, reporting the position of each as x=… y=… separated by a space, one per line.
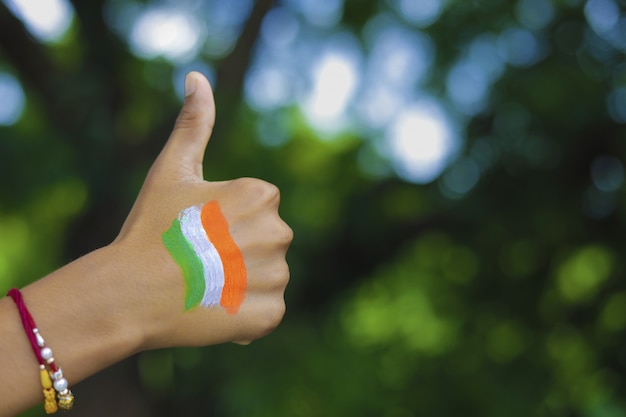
x=189 y=263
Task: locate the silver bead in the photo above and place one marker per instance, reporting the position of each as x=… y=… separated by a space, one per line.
x=46 y=353
x=40 y=341
x=58 y=374
x=60 y=384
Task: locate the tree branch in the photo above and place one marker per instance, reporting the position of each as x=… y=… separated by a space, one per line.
x=105 y=53
x=232 y=70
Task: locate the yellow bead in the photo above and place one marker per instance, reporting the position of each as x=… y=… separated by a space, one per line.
x=49 y=404
x=45 y=379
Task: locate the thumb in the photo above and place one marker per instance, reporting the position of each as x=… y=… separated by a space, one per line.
x=183 y=153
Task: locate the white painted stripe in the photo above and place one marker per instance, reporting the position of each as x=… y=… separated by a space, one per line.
x=191 y=226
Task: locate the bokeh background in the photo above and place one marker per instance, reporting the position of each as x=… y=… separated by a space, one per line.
x=452 y=169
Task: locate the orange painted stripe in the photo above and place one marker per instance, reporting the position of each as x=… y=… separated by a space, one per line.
x=216 y=228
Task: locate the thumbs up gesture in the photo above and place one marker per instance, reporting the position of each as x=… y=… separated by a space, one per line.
x=212 y=253
x=196 y=263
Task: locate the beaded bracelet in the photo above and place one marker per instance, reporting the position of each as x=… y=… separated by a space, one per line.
x=50 y=374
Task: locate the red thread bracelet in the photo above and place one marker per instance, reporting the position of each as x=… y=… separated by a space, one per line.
x=51 y=375
x=27 y=321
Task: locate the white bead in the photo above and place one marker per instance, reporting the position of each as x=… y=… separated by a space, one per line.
x=40 y=341
x=60 y=384
x=58 y=374
x=46 y=353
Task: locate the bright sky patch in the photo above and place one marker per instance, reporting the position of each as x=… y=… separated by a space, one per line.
x=47 y=20
x=172 y=34
x=421 y=142
x=335 y=78
x=13 y=100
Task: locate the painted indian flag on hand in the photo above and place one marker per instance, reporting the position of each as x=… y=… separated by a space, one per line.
x=211 y=262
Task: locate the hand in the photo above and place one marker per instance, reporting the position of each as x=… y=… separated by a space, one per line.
x=130 y=295
x=250 y=207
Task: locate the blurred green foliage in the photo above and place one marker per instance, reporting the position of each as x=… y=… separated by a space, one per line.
x=496 y=289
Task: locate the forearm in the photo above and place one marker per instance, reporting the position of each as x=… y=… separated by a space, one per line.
x=83 y=317
x=130 y=295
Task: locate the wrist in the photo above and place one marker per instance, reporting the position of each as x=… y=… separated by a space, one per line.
x=83 y=310
x=146 y=292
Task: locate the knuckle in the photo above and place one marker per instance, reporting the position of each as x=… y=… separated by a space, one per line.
x=268 y=321
x=280 y=276
x=272 y=191
x=192 y=115
x=285 y=236
x=275 y=316
x=259 y=189
x=186 y=119
x=268 y=192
